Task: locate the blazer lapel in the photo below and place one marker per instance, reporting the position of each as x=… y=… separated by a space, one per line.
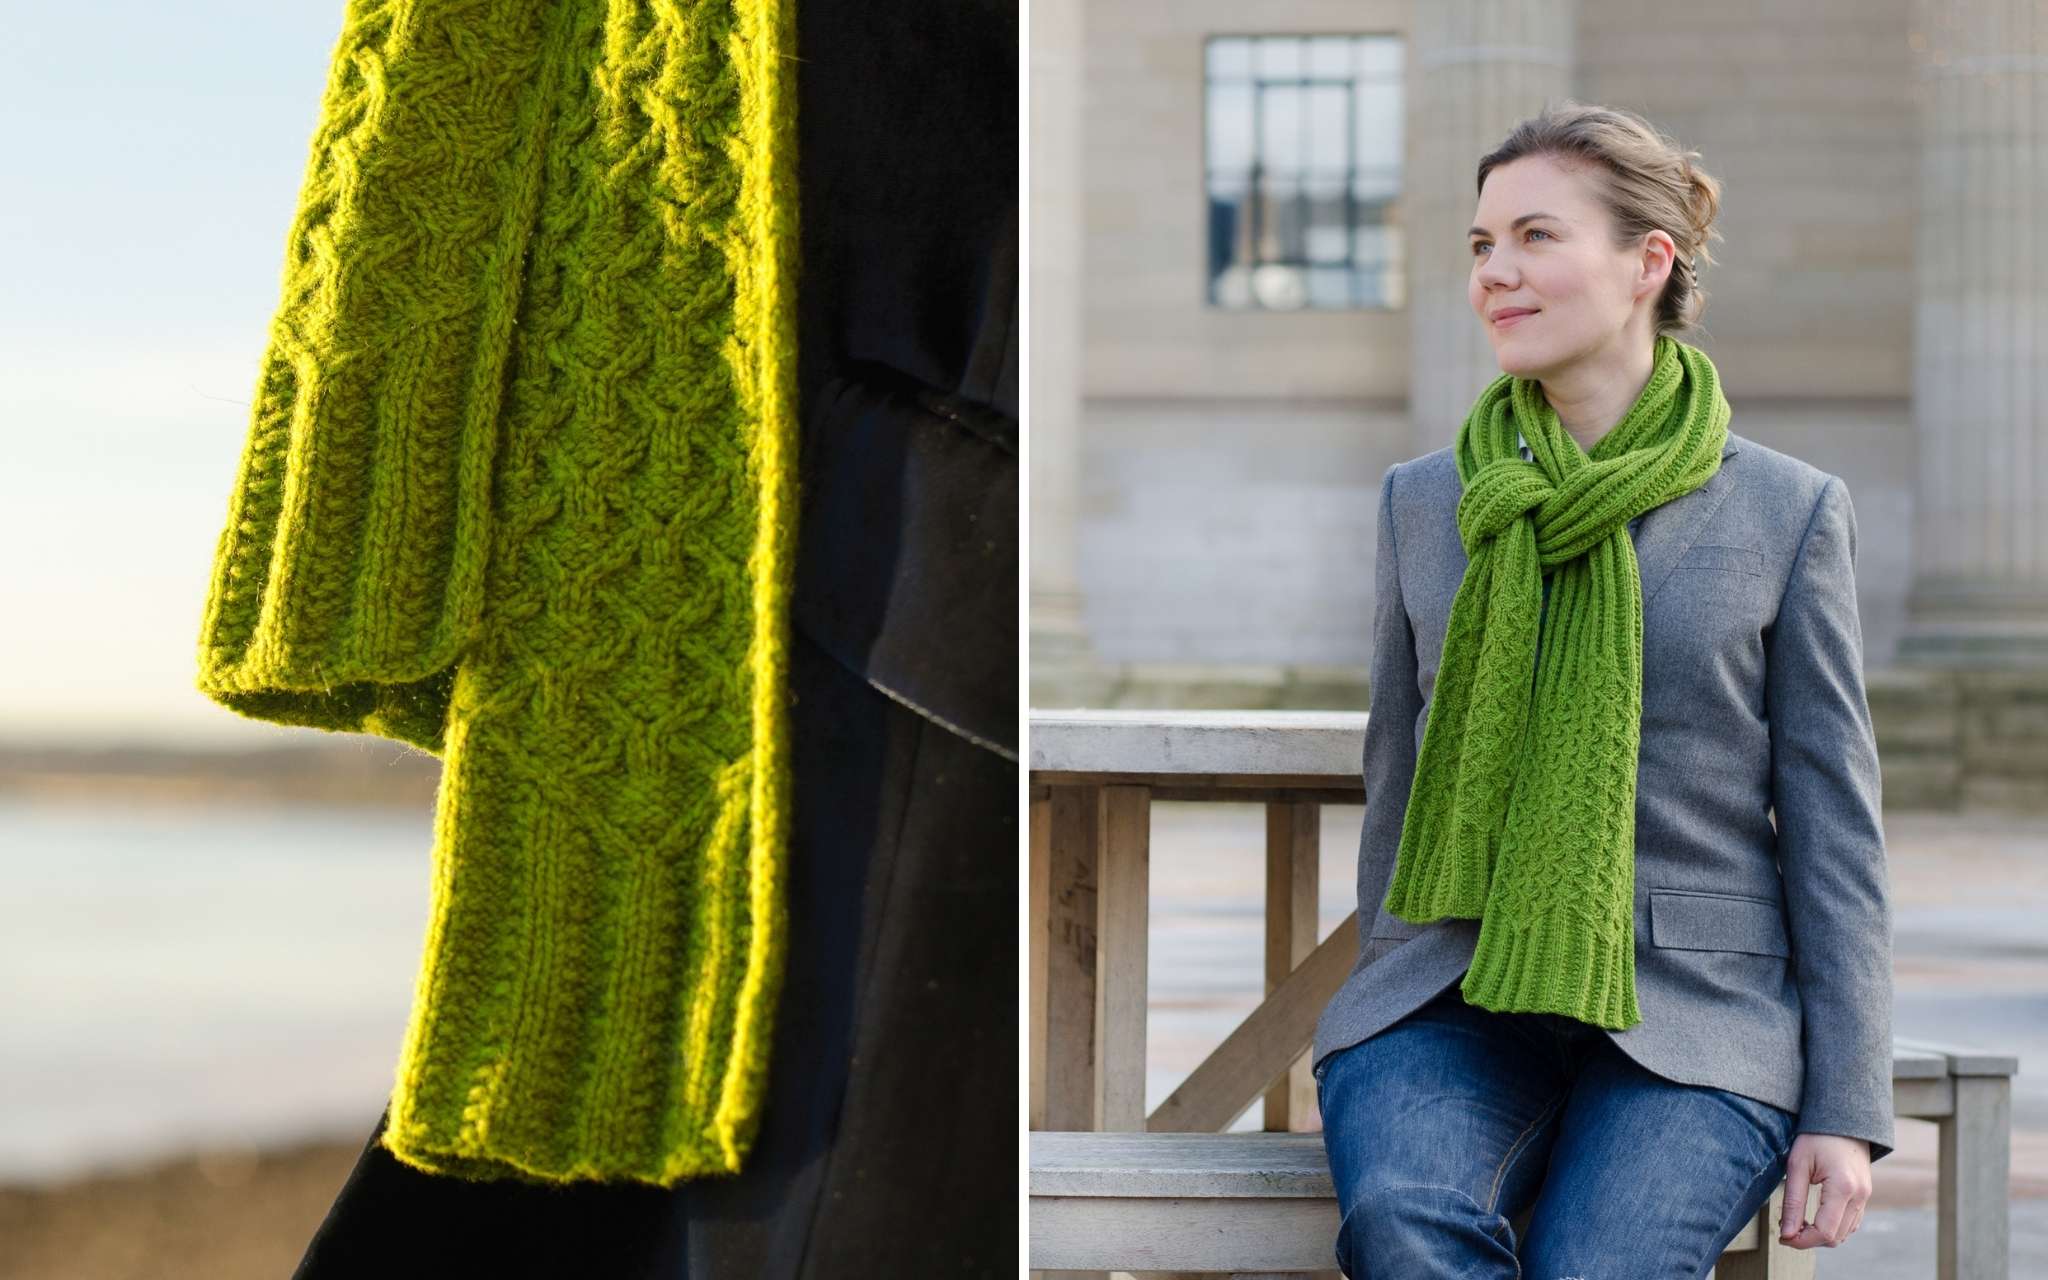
x=1668 y=531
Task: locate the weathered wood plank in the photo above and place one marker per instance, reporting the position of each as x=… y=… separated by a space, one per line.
x=1149 y=1165
x=1069 y=1094
x=1924 y=1099
x=1964 y=1060
x=1293 y=865
x=1913 y=1063
x=1206 y=1234
x=1124 y=923
x=1328 y=744
x=1225 y=788
x=1972 y=1227
x=1263 y=1046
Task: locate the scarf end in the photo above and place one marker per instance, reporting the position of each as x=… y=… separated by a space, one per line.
x=594 y=1004
x=662 y=1136
x=413 y=712
x=1425 y=891
x=709 y=1155
x=1557 y=968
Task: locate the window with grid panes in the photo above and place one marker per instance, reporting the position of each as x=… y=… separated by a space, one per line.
x=1303 y=163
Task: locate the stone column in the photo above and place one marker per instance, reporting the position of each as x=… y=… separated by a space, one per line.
x=1476 y=68
x=1979 y=595
x=1057 y=45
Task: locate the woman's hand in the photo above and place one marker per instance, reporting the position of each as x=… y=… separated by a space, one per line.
x=1842 y=1168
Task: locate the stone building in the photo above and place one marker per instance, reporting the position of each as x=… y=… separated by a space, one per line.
x=1217 y=381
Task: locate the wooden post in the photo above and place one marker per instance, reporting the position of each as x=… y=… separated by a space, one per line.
x=1068 y=1098
x=1038 y=948
x=1972 y=1233
x=1122 y=941
x=1066 y=1060
x=1293 y=853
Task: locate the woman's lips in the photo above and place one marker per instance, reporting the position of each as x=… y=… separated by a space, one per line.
x=1505 y=321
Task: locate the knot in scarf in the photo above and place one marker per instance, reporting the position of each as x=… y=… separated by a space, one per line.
x=1522 y=809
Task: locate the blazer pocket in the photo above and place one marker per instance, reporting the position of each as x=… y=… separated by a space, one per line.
x=1694 y=920
x=1377 y=949
x=1718 y=555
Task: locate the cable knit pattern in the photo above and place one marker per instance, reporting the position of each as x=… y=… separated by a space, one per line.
x=1522 y=810
x=519 y=489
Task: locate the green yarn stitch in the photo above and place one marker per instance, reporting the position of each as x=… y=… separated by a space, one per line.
x=519 y=488
x=1522 y=810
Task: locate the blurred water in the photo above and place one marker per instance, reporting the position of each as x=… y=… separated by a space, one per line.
x=174 y=975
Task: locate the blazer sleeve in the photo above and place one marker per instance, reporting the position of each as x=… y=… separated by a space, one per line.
x=1389 y=726
x=1824 y=777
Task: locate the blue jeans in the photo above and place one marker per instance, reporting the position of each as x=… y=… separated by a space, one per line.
x=1443 y=1126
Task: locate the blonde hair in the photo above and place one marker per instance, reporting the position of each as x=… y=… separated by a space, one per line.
x=1646 y=181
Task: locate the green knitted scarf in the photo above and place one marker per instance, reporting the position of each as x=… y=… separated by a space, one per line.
x=1522 y=811
x=518 y=488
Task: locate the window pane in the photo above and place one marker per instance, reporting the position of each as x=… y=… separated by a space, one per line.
x=1230 y=129
x=1327 y=236
x=1329 y=131
x=1227 y=228
x=1371 y=245
x=1329 y=286
x=1330 y=56
x=1280 y=56
x=1325 y=242
x=1379 y=126
x=1280 y=223
x=1376 y=188
x=1280 y=122
x=1280 y=288
x=1230 y=58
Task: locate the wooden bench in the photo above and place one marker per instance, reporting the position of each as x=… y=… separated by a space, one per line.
x=1261 y=1204
x=1094 y=776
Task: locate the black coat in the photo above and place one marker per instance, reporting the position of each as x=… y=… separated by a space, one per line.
x=889 y=1141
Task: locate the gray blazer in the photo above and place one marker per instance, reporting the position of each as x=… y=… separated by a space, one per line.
x=1762 y=914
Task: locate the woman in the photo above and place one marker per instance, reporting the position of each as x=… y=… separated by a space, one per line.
x=1626 y=961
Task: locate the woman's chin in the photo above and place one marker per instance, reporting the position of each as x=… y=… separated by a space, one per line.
x=1515 y=361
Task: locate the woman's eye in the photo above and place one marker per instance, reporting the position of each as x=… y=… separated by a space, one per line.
x=1533 y=231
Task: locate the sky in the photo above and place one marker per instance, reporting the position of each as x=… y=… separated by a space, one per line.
x=155 y=154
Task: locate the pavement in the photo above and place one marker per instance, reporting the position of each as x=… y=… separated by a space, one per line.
x=1970 y=966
